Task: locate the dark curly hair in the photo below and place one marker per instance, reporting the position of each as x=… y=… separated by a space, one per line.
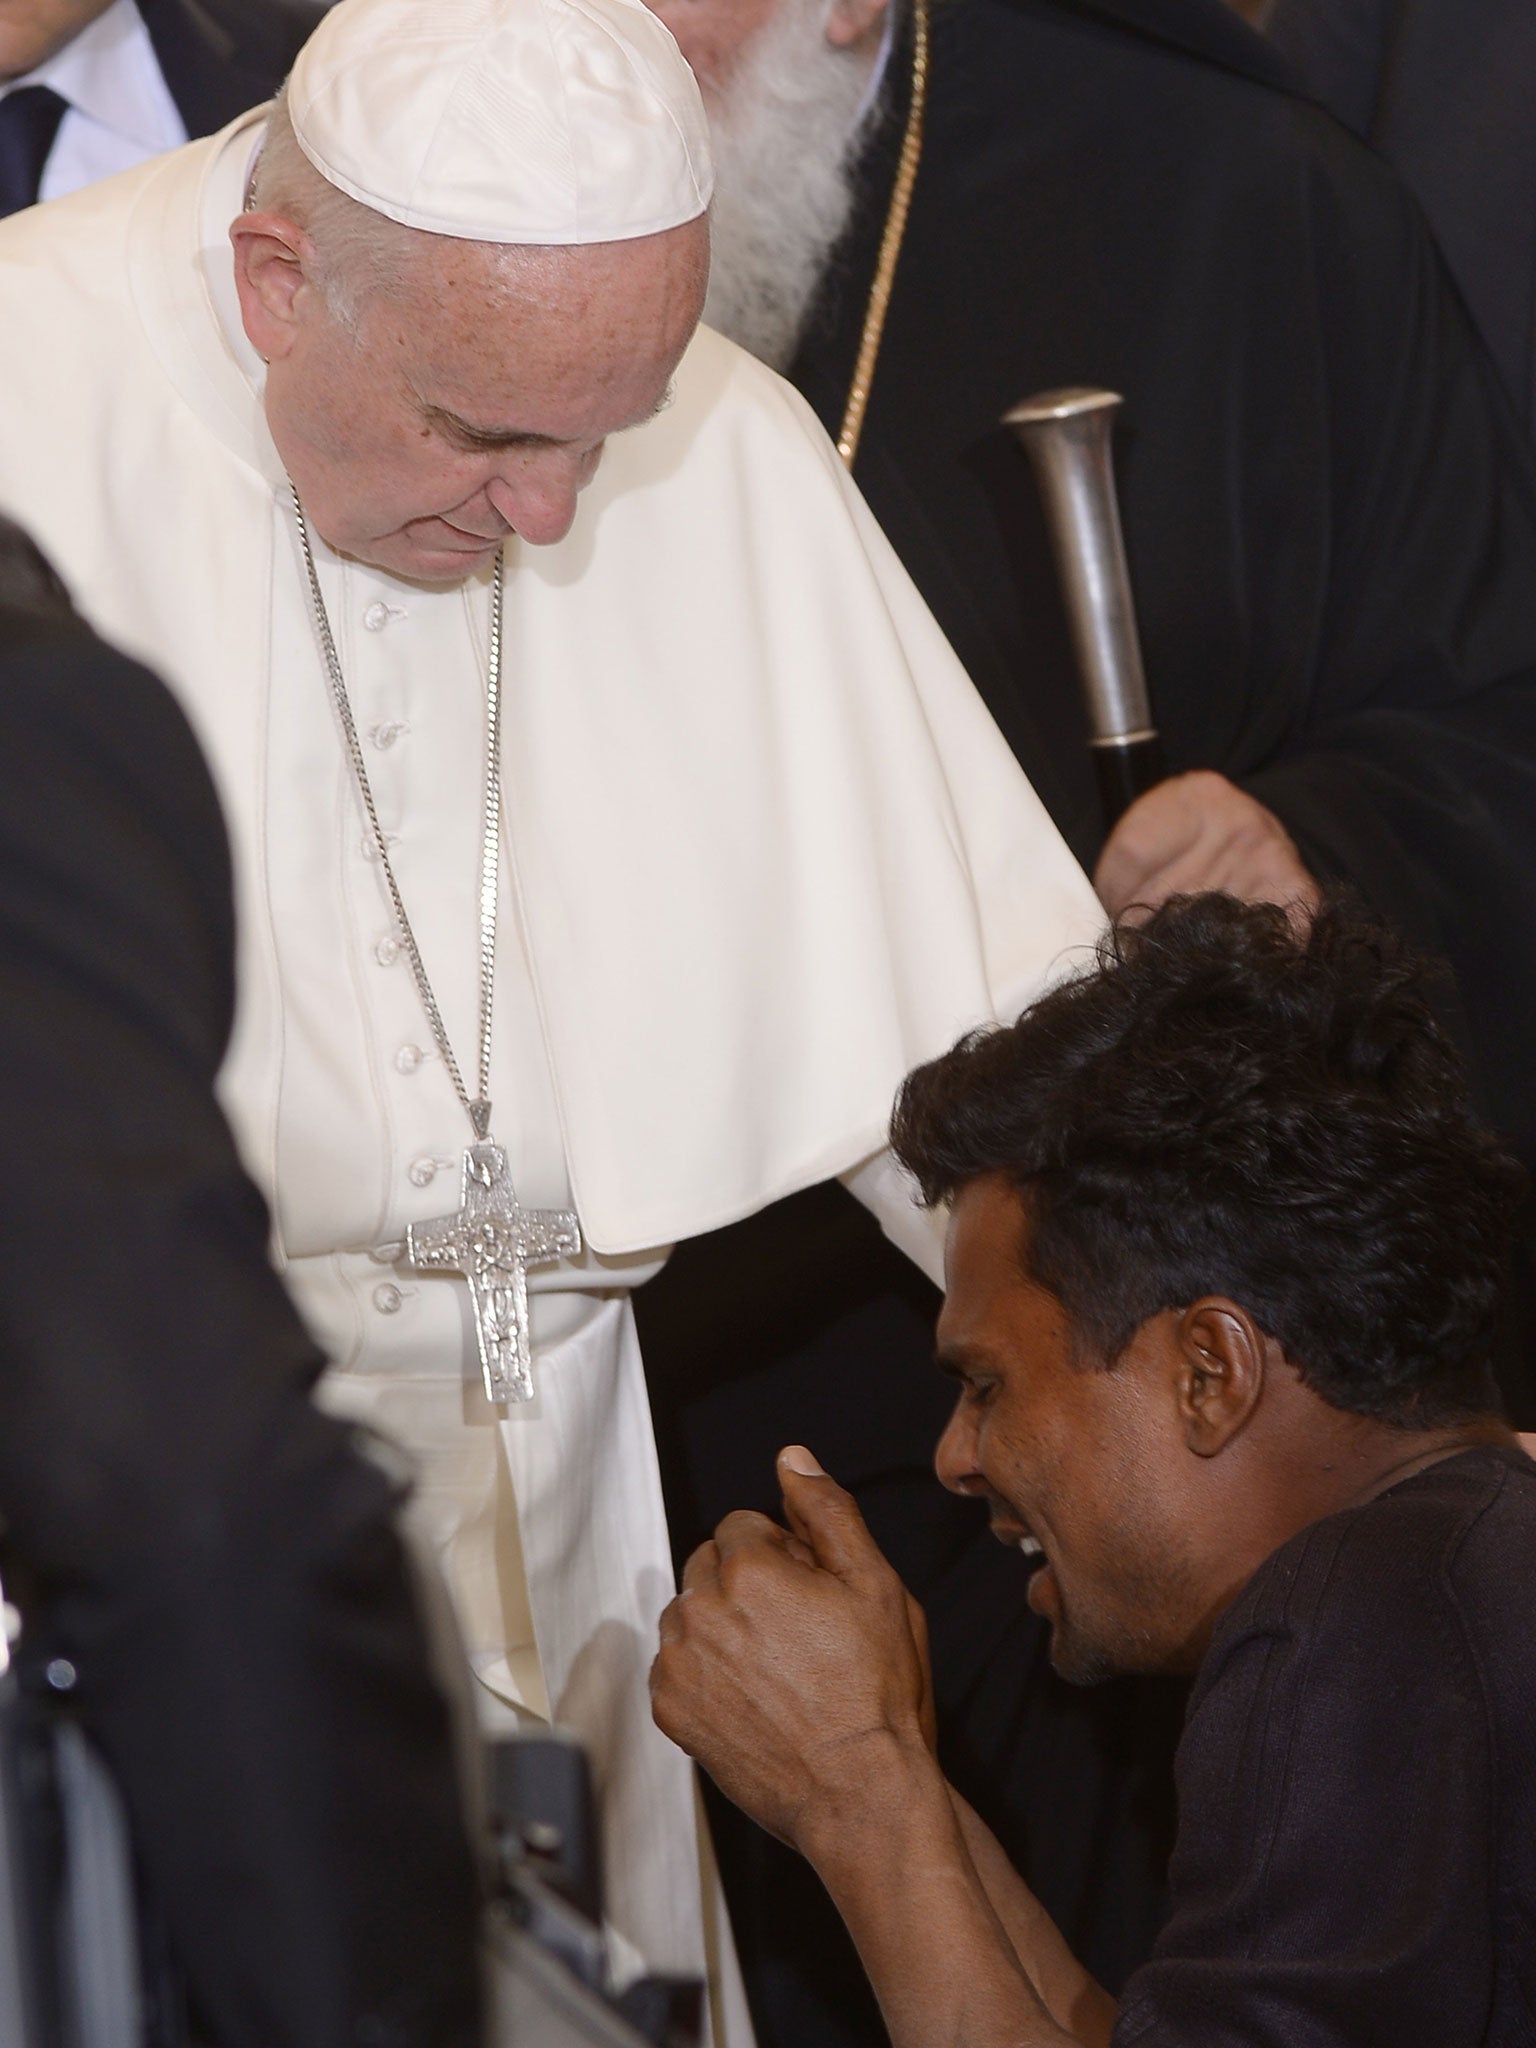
x=1222 y=1106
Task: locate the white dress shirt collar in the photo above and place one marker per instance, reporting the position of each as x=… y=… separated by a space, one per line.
x=120 y=108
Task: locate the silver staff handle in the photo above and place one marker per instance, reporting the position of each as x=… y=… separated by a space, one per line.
x=1067 y=437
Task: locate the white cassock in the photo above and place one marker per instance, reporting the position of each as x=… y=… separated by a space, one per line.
x=764 y=851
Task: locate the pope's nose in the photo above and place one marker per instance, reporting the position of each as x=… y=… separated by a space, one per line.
x=539 y=506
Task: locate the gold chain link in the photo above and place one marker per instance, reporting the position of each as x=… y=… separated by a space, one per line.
x=890 y=242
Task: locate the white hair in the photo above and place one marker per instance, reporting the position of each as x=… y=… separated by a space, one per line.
x=787 y=128
x=359 y=253
x=357 y=250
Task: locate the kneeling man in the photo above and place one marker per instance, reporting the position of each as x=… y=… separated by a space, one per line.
x=1222 y=1267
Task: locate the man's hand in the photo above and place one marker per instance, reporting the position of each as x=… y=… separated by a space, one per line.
x=793 y=1664
x=1196 y=832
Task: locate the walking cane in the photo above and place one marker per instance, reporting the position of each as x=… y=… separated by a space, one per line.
x=1067 y=437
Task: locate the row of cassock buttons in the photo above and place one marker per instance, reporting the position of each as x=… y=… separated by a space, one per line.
x=388 y=1299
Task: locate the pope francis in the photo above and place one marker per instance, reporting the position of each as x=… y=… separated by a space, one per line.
x=612 y=826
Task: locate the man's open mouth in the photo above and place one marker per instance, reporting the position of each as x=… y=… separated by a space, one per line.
x=1019 y=1536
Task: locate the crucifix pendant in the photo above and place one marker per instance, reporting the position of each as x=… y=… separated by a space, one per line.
x=492 y=1241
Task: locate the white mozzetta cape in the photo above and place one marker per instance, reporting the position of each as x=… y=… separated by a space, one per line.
x=766 y=851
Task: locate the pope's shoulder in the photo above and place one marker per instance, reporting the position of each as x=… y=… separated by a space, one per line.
x=75 y=282
x=81 y=240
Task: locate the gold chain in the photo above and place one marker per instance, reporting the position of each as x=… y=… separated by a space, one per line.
x=890 y=242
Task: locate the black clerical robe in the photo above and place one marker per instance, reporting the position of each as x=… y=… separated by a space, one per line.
x=1330 y=520
x=1442 y=88
x=1331 y=524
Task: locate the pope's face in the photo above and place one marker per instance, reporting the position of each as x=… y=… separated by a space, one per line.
x=1080 y=1461
x=473 y=401
x=32 y=30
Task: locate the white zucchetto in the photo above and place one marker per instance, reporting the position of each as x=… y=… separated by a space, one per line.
x=509 y=121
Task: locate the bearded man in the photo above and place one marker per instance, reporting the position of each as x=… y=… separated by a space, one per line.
x=559 y=862
x=1330 y=530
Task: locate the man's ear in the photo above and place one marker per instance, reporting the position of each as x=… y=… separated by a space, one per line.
x=1221 y=1356
x=855 y=21
x=274 y=262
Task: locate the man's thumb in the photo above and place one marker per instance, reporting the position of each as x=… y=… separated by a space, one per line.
x=796 y=1458
x=822 y=1515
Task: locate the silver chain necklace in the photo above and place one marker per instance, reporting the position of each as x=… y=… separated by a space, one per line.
x=491 y=1240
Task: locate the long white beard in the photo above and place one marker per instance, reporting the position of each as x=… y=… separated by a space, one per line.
x=786 y=132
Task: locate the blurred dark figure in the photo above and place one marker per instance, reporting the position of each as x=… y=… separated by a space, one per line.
x=1443 y=89
x=215 y=1558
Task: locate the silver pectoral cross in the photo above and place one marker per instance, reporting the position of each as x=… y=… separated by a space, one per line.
x=492 y=1241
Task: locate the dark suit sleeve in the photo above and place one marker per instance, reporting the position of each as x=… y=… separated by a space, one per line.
x=221 y=57
x=217 y=1559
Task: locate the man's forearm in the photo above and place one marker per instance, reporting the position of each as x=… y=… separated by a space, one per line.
x=1079 y=2005
x=895 y=1861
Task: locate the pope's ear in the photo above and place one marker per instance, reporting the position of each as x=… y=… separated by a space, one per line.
x=273 y=261
x=1220 y=1357
x=855 y=21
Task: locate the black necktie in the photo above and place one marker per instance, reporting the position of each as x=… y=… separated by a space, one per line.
x=29 y=121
